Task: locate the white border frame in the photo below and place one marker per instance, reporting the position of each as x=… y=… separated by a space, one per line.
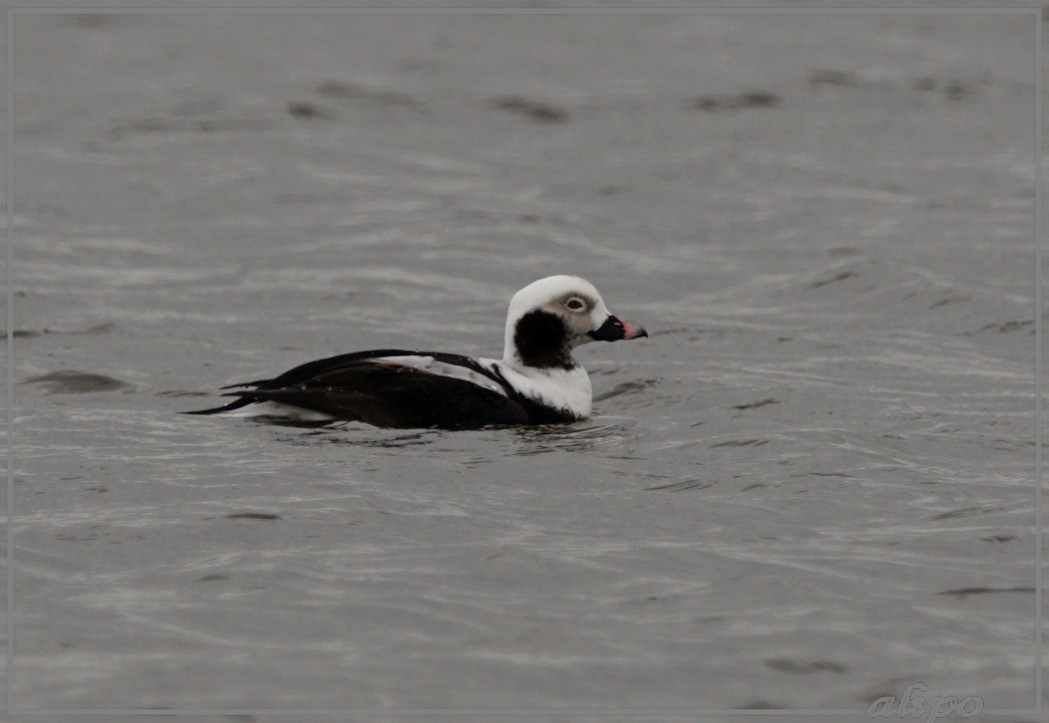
x=11 y=13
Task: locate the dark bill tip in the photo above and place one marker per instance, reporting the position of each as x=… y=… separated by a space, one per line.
x=615 y=329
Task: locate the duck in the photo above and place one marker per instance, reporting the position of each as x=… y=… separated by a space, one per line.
x=537 y=381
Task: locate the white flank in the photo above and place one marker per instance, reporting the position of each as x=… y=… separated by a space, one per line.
x=276 y=409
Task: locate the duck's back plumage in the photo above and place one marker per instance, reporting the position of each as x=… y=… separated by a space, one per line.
x=398 y=388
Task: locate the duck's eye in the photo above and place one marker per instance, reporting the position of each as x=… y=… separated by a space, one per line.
x=575 y=304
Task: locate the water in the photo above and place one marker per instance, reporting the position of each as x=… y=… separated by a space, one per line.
x=811 y=487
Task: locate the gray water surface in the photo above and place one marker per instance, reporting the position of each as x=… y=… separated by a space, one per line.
x=810 y=487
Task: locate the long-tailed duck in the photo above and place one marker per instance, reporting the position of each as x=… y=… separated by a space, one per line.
x=536 y=382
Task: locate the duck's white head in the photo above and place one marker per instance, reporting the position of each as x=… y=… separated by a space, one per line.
x=551 y=316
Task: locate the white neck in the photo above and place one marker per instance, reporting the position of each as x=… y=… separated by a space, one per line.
x=568 y=390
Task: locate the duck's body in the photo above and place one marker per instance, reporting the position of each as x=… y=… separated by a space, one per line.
x=536 y=382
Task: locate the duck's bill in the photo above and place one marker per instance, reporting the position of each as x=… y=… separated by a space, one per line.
x=615 y=329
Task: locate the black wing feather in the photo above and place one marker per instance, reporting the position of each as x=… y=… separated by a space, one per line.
x=362 y=386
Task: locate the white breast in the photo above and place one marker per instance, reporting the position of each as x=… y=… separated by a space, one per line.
x=556 y=388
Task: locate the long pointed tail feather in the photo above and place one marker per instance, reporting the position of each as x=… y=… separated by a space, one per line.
x=240 y=401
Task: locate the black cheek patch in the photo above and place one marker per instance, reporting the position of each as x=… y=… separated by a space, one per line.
x=542 y=341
